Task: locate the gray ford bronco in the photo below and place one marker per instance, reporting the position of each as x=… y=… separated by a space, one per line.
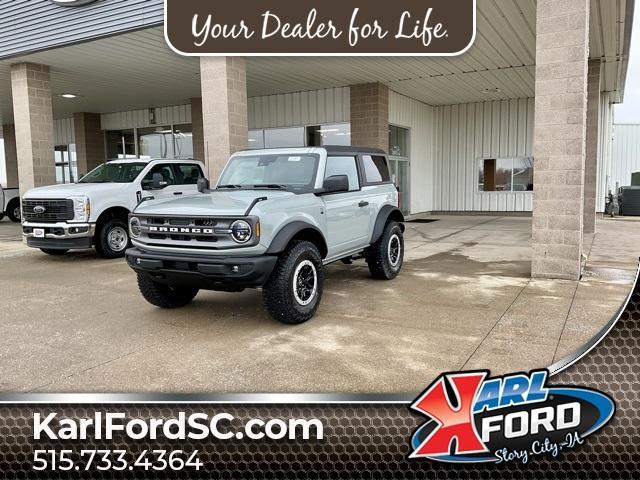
x=276 y=217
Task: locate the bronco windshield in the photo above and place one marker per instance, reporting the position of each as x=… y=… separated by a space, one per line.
x=293 y=172
x=114 y=173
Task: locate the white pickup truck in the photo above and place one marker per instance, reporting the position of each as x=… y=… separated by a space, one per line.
x=10 y=203
x=93 y=211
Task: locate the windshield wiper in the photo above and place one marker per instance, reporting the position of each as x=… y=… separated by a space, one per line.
x=274 y=186
x=230 y=186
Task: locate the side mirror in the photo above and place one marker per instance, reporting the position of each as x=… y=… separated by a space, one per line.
x=335 y=184
x=158 y=181
x=203 y=185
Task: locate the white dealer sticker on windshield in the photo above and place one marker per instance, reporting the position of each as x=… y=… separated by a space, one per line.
x=294 y=159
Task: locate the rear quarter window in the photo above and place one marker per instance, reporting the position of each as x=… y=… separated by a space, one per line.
x=376 y=169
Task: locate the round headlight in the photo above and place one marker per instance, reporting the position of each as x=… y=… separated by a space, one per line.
x=241 y=231
x=134 y=227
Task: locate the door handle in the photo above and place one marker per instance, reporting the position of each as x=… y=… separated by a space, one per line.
x=177 y=193
x=363 y=204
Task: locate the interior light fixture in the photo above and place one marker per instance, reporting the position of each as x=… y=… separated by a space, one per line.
x=490 y=90
x=69 y=95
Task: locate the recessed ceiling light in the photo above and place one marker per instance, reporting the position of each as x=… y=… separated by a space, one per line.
x=69 y=95
x=490 y=90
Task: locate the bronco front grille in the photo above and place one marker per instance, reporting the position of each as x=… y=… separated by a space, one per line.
x=44 y=210
x=188 y=232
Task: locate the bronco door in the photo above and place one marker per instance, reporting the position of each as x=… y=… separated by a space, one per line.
x=347 y=215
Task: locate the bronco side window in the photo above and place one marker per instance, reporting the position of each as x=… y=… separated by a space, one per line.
x=344 y=166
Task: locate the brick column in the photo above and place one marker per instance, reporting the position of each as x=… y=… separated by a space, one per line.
x=370 y=115
x=592 y=147
x=10 y=155
x=196 y=128
x=33 y=115
x=89 y=141
x=562 y=31
x=224 y=110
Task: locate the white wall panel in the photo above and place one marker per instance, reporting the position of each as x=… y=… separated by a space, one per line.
x=171 y=115
x=605 y=161
x=419 y=118
x=330 y=105
x=466 y=133
x=625 y=158
x=63 y=133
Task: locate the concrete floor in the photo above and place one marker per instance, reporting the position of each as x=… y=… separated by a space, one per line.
x=464 y=300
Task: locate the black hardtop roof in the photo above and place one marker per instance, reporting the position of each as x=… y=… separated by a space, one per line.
x=332 y=149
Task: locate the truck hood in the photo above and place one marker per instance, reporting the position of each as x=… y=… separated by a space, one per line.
x=65 y=190
x=208 y=204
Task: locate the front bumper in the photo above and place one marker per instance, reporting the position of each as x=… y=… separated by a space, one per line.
x=207 y=273
x=60 y=235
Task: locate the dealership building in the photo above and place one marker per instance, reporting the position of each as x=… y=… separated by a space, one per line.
x=521 y=123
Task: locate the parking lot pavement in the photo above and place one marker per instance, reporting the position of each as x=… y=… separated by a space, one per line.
x=463 y=300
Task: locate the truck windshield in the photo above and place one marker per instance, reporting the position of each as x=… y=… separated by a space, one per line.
x=293 y=172
x=114 y=173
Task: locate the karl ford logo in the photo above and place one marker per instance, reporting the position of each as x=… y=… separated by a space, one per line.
x=473 y=418
x=72 y=3
x=330 y=27
x=39 y=209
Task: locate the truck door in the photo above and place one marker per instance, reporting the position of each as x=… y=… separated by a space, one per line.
x=347 y=215
x=178 y=180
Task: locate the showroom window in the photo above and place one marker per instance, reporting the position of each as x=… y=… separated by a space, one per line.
x=256 y=139
x=183 y=141
x=169 y=141
x=331 y=134
x=66 y=163
x=398 y=141
x=155 y=142
x=308 y=136
x=284 y=137
x=121 y=143
x=505 y=174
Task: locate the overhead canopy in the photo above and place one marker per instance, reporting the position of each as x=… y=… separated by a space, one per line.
x=137 y=69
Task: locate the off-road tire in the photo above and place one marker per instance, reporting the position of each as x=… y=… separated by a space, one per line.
x=104 y=248
x=278 y=293
x=13 y=211
x=53 y=251
x=164 y=296
x=378 y=256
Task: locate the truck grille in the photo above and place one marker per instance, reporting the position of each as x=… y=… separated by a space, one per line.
x=49 y=211
x=189 y=232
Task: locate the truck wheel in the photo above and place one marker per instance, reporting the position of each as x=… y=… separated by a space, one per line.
x=13 y=211
x=53 y=251
x=112 y=239
x=385 y=256
x=164 y=296
x=293 y=292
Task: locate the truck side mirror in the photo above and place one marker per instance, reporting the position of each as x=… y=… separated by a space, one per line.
x=335 y=184
x=158 y=181
x=203 y=185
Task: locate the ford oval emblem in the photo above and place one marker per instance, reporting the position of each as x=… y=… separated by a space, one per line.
x=39 y=209
x=72 y=3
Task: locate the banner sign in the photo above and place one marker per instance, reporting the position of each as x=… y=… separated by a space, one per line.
x=332 y=27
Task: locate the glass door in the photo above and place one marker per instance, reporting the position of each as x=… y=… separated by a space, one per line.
x=66 y=166
x=400 y=164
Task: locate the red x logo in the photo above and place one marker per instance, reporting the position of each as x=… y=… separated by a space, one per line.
x=452 y=422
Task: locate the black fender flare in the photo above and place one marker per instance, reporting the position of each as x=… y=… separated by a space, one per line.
x=383 y=216
x=286 y=233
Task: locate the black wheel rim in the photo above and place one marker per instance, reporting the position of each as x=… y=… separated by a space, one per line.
x=395 y=250
x=305 y=281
